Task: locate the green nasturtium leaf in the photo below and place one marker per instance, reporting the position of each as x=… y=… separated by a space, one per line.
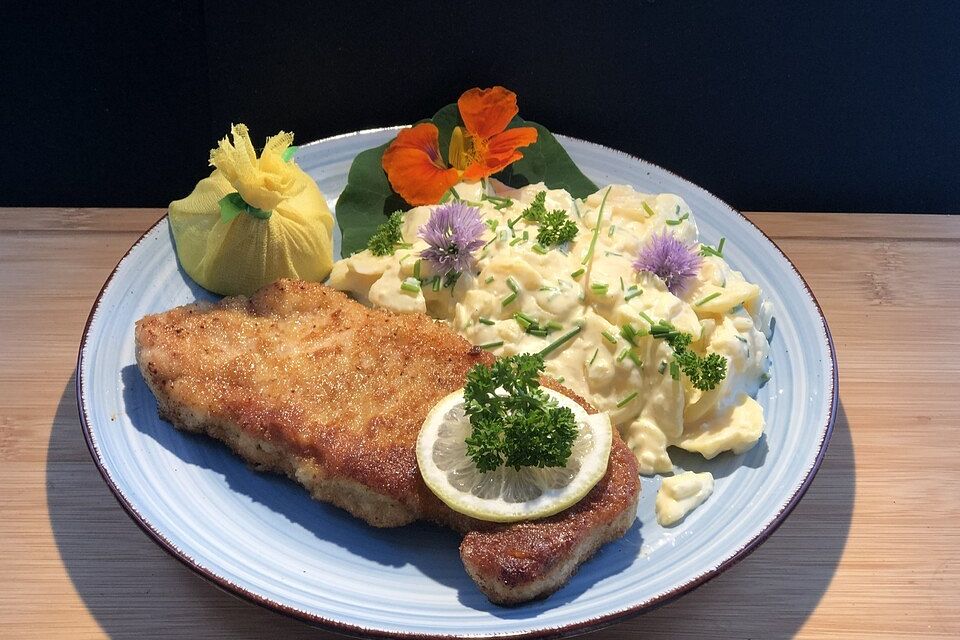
x=368 y=199
x=546 y=161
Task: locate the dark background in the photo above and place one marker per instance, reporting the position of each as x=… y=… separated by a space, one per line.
x=820 y=106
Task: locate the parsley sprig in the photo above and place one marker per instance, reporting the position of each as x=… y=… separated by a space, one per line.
x=519 y=426
x=556 y=227
x=704 y=372
x=387 y=237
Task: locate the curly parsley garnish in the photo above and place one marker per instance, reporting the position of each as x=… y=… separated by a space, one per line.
x=704 y=372
x=387 y=237
x=556 y=227
x=520 y=426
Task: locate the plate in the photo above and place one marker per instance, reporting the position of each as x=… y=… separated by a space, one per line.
x=262 y=538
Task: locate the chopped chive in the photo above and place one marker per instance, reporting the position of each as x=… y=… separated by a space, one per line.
x=634 y=358
x=526 y=235
x=650 y=212
x=715 y=294
x=632 y=294
x=556 y=344
x=456 y=196
x=561 y=379
x=510 y=298
x=623 y=354
x=707 y=250
x=622 y=288
x=576 y=209
x=542 y=333
x=576 y=274
x=629 y=333
x=410 y=284
x=524 y=320
x=600 y=288
x=612 y=230
x=612 y=253
x=498 y=202
x=492 y=224
x=674 y=223
x=416 y=269
x=596 y=229
x=675 y=370
x=489 y=279
x=537 y=248
x=436 y=283
x=662 y=367
x=593 y=357
x=612 y=339
x=516 y=240
x=626 y=400
x=742 y=339
x=491 y=345
x=487 y=321
x=510 y=223
x=553 y=325
x=647 y=318
x=513 y=284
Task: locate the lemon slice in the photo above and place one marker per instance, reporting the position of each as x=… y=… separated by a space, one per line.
x=506 y=494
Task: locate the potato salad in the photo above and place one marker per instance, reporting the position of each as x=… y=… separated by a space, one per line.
x=594 y=308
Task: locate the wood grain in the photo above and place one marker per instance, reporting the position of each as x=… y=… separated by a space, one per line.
x=872 y=551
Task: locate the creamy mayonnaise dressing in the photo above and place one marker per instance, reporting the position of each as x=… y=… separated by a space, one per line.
x=568 y=288
x=681 y=494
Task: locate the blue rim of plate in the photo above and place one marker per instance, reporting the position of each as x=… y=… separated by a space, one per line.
x=571 y=629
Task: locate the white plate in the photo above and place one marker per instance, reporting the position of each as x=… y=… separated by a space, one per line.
x=263 y=538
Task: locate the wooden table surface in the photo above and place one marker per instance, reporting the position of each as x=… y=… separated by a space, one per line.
x=872 y=551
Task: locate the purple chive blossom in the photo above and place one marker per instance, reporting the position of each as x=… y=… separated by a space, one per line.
x=454 y=231
x=670 y=258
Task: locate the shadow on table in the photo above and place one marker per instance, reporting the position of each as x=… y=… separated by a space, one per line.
x=126 y=580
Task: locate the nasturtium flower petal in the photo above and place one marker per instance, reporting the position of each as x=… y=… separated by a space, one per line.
x=415 y=168
x=487 y=112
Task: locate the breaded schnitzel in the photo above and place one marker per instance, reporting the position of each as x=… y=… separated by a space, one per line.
x=301 y=380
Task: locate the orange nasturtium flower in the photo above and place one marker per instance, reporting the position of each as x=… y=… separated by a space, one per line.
x=416 y=169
